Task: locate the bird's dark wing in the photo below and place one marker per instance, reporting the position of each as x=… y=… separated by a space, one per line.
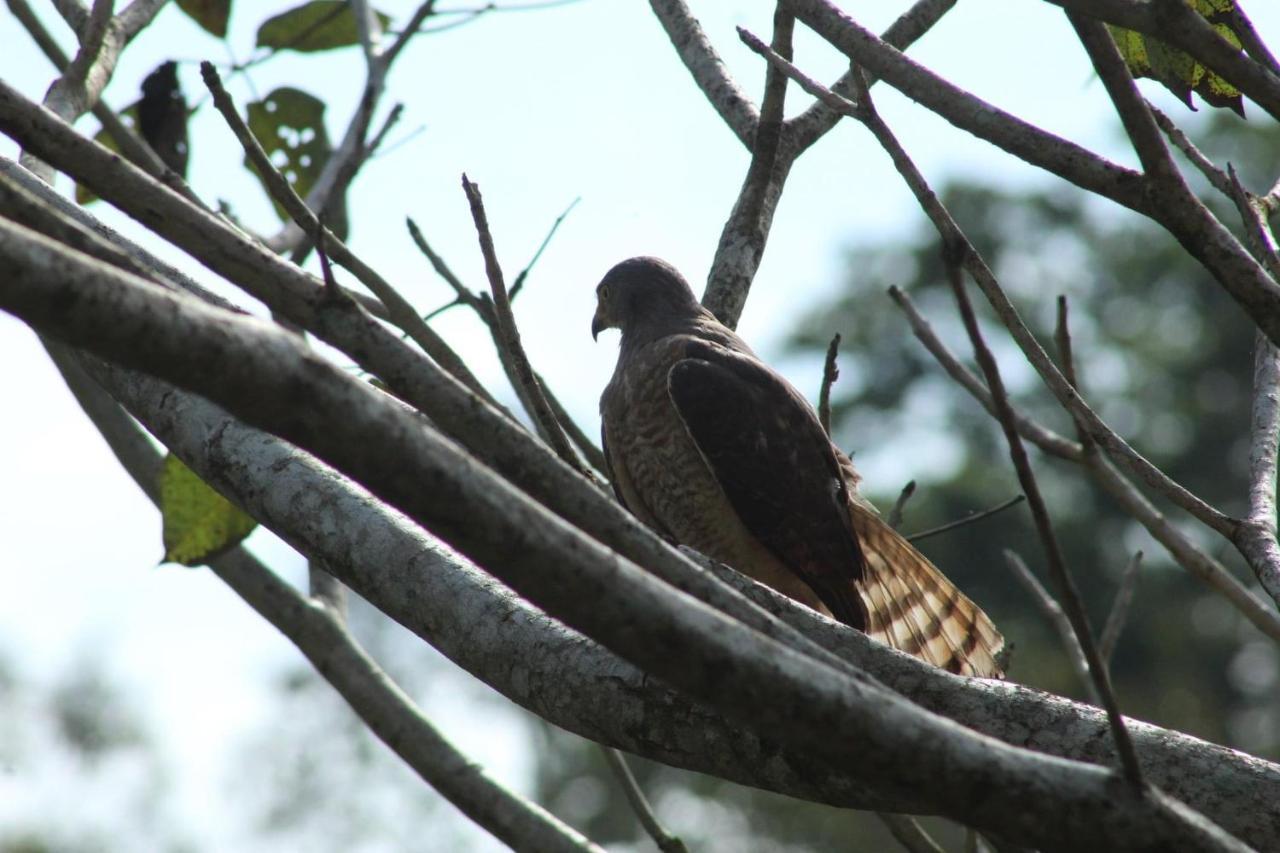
x=776 y=466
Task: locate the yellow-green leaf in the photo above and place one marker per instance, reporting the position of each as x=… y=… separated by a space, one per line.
x=1177 y=70
x=210 y=14
x=199 y=523
x=319 y=25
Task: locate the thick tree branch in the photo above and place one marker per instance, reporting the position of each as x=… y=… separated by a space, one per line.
x=743 y=238
x=319 y=633
x=708 y=70
x=675 y=639
x=479 y=625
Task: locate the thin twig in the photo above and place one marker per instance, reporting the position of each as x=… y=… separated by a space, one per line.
x=509 y=337
x=900 y=505
x=1041 y=436
x=830 y=373
x=666 y=841
x=968 y=519
x=908 y=832
x=973 y=263
x=518 y=284
x=483 y=306
x=1119 y=608
x=1053 y=552
x=401 y=312
x=1057 y=619
x=1177 y=543
x=1062 y=339
x=465 y=295
x=1216 y=176
x=960 y=251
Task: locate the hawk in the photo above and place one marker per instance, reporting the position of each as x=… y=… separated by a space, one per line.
x=715 y=450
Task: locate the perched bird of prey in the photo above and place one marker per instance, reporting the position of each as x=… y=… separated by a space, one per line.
x=716 y=451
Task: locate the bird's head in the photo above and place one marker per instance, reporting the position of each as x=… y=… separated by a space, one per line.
x=642 y=294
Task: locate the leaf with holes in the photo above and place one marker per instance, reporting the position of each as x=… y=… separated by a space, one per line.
x=1177 y=70
x=129 y=115
x=199 y=523
x=289 y=124
x=319 y=25
x=210 y=14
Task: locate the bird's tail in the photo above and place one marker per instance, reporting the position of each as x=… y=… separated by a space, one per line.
x=912 y=606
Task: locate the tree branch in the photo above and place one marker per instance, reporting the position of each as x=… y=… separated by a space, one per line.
x=708 y=70
x=794 y=696
x=666 y=842
x=1119 y=609
x=1057 y=620
x=745 y=233
x=830 y=373
x=1178 y=24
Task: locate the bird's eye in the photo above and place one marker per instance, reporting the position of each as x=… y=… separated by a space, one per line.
x=603 y=292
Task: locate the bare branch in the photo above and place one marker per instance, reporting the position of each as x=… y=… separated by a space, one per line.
x=574 y=578
x=951 y=234
x=1216 y=177
x=968 y=519
x=318 y=632
x=1138 y=124
x=1038 y=434
x=1057 y=620
x=960 y=251
x=1057 y=563
x=508 y=338
x=1181 y=214
x=666 y=842
x=483 y=306
x=907 y=832
x=518 y=284
x=830 y=373
x=401 y=312
x=895 y=514
x=746 y=231
x=1119 y=609
x=708 y=70
x=1060 y=725
x=808 y=127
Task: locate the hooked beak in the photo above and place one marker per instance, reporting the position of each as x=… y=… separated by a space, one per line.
x=598 y=324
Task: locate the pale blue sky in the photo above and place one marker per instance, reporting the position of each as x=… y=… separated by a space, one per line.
x=540 y=107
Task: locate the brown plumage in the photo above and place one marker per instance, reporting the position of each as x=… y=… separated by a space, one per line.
x=716 y=451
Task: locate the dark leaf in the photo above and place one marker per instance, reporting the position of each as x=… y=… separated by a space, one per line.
x=162 y=117
x=319 y=25
x=289 y=124
x=210 y=14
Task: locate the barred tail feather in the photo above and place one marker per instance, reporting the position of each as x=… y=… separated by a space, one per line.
x=913 y=607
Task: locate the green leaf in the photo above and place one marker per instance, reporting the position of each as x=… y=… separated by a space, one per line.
x=319 y=25
x=210 y=14
x=1177 y=70
x=129 y=115
x=289 y=124
x=199 y=523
